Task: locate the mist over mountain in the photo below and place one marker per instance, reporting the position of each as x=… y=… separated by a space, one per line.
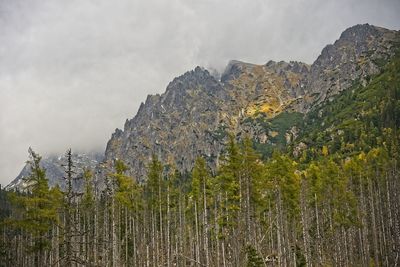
x=198 y=111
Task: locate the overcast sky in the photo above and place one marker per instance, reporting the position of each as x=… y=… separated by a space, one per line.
x=71 y=71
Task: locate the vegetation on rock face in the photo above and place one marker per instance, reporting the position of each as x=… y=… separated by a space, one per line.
x=329 y=195
x=194 y=115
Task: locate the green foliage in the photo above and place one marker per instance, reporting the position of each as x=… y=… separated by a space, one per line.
x=201 y=180
x=281 y=124
x=35 y=211
x=285 y=120
x=155 y=181
x=282 y=176
x=253 y=258
x=229 y=175
x=127 y=191
x=88 y=200
x=357 y=118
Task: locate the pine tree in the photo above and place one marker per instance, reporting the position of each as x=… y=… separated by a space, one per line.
x=253 y=259
x=201 y=196
x=36 y=210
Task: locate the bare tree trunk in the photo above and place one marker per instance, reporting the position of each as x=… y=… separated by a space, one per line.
x=319 y=252
x=373 y=221
x=197 y=246
x=216 y=214
x=168 y=228
x=161 y=233
x=114 y=234
x=305 y=226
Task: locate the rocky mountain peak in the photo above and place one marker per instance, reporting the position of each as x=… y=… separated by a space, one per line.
x=191 y=80
x=361 y=51
x=283 y=67
x=234 y=69
x=354 y=42
x=361 y=32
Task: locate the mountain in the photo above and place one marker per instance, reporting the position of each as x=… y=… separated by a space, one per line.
x=55 y=170
x=268 y=102
x=360 y=52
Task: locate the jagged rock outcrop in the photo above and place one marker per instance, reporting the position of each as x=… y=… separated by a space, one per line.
x=195 y=113
x=361 y=51
x=176 y=126
x=268 y=88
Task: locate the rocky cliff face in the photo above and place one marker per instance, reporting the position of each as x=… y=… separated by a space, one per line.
x=267 y=89
x=194 y=115
x=177 y=126
x=361 y=51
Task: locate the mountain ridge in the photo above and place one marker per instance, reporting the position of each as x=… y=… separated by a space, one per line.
x=245 y=90
x=197 y=111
